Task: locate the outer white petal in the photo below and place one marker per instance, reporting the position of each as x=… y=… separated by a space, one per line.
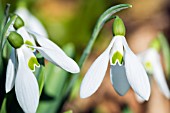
x=139 y=99
x=119 y=79
x=158 y=73
x=44 y=42
x=136 y=73
x=56 y=55
x=26 y=86
x=59 y=58
x=10 y=73
x=95 y=74
x=31 y=21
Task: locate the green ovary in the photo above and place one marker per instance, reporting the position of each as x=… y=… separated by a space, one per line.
x=117 y=56
x=32 y=62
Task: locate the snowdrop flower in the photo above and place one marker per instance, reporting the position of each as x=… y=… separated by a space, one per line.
x=152 y=63
x=24 y=46
x=31 y=22
x=125 y=68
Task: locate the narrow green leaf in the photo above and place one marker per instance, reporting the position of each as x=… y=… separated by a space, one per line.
x=3 y=108
x=3 y=34
x=41 y=78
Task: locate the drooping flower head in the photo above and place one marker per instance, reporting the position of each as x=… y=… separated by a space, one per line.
x=20 y=72
x=125 y=68
x=152 y=63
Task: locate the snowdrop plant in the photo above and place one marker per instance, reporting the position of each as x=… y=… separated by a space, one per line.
x=22 y=64
x=152 y=63
x=125 y=68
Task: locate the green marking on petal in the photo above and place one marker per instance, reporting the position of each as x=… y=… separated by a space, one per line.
x=30 y=44
x=117 y=56
x=32 y=63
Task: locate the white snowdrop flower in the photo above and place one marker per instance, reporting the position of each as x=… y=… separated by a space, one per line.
x=125 y=68
x=152 y=63
x=21 y=75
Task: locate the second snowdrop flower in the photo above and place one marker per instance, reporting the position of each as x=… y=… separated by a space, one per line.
x=125 y=68
x=152 y=63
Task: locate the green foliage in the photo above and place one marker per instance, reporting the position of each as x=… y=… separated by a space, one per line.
x=3 y=107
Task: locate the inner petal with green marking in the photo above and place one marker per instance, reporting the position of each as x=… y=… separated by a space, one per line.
x=117 y=56
x=29 y=43
x=32 y=63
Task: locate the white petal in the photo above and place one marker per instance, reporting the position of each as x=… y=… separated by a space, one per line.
x=159 y=74
x=136 y=73
x=22 y=31
x=55 y=54
x=139 y=99
x=119 y=79
x=59 y=58
x=10 y=73
x=31 y=21
x=117 y=46
x=95 y=74
x=26 y=86
x=45 y=42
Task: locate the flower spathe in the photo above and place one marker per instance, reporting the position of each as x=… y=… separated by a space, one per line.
x=21 y=74
x=125 y=71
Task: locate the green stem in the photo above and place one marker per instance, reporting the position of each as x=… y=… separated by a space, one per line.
x=5 y=31
x=2 y=35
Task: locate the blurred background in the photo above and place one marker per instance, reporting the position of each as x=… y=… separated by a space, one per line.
x=72 y=21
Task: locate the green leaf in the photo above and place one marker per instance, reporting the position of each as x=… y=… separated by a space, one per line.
x=41 y=78
x=166 y=52
x=3 y=108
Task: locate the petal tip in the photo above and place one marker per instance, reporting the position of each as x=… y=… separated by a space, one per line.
x=83 y=95
x=7 y=90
